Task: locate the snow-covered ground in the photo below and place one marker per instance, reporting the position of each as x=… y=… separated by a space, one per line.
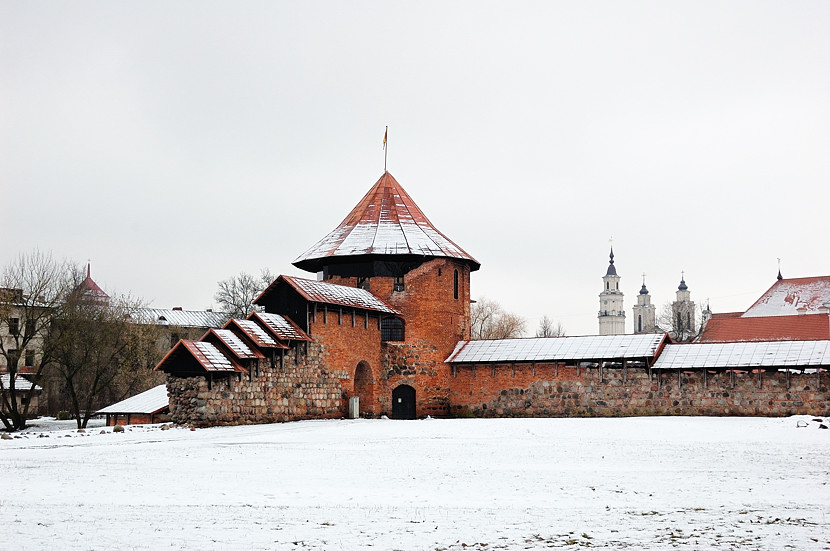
x=631 y=483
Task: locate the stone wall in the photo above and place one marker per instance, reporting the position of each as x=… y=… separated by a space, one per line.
x=301 y=389
x=559 y=391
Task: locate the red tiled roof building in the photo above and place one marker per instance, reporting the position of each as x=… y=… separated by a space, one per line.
x=792 y=309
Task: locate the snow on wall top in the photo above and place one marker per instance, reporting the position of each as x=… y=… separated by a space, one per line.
x=339 y=295
x=284 y=328
x=786 y=296
x=557 y=348
x=149 y=401
x=236 y=345
x=179 y=318
x=256 y=333
x=745 y=355
x=385 y=222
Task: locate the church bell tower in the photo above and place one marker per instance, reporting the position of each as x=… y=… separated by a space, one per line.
x=611 y=314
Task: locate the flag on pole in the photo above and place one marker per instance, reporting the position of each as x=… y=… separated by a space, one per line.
x=384 y=137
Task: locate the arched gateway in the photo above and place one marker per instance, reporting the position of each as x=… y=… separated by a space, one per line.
x=364 y=389
x=403 y=402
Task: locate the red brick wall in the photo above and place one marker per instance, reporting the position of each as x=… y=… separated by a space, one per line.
x=435 y=322
x=486 y=392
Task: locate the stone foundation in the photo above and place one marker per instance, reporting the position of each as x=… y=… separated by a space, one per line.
x=296 y=391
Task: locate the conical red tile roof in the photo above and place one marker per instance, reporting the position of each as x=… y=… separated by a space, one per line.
x=386 y=222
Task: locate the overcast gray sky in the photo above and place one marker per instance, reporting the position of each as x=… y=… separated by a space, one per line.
x=176 y=144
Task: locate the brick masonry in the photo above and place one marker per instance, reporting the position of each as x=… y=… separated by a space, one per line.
x=559 y=391
x=347 y=358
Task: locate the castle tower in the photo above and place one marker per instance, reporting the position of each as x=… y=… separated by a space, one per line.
x=644 y=312
x=611 y=314
x=683 y=313
x=386 y=245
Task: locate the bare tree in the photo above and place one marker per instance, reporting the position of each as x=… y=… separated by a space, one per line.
x=237 y=294
x=97 y=352
x=548 y=329
x=666 y=322
x=33 y=286
x=490 y=321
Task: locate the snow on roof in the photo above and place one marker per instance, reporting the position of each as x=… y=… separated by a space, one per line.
x=283 y=327
x=20 y=383
x=385 y=222
x=235 y=344
x=256 y=333
x=786 y=296
x=745 y=355
x=339 y=295
x=180 y=318
x=209 y=356
x=557 y=348
x=149 y=401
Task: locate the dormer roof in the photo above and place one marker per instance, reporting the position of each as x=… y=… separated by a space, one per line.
x=385 y=223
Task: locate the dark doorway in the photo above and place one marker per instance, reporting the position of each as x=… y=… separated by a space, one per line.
x=403 y=402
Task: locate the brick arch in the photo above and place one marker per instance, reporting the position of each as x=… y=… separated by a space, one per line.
x=364 y=388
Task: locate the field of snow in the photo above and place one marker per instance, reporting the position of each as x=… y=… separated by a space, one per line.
x=482 y=484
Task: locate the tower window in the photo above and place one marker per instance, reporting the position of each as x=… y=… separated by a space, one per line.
x=398 y=284
x=455 y=285
x=607 y=286
x=391 y=329
x=363 y=283
x=639 y=323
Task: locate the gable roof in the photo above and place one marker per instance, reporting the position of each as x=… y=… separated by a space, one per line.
x=330 y=293
x=233 y=343
x=734 y=328
x=206 y=355
x=256 y=333
x=385 y=222
x=786 y=296
x=282 y=327
x=543 y=349
x=745 y=355
x=150 y=401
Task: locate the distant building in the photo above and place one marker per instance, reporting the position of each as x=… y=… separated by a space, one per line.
x=645 y=319
x=791 y=310
x=611 y=309
x=150 y=406
x=684 y=321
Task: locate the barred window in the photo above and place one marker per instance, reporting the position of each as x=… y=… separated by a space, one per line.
x=391 y=329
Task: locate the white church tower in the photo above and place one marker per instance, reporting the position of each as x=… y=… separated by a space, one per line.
x=611 y=312
x=683 y=313
x=645 y=317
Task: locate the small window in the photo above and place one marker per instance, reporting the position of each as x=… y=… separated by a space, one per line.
x=639 y=324
x=30 y=358
x=607 y=288
x=398 y=284
x=391 y=329
x=30 y=328
x=455 y=284
x=363 y=283
x=14 y=326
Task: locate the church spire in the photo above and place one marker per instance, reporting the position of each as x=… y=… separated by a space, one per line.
x=611 y=269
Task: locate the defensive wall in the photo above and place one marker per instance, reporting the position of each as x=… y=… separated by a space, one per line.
x=304 y=389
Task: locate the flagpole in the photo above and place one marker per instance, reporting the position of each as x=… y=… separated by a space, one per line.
x=385 y=150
